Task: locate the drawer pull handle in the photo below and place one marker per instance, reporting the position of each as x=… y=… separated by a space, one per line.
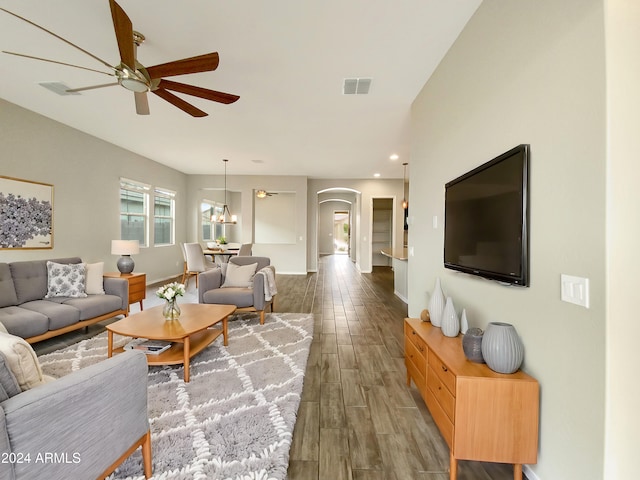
x=444 y=369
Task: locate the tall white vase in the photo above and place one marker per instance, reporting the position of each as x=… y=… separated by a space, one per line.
x=436 y=304
x=464 y=323
x=450 y=321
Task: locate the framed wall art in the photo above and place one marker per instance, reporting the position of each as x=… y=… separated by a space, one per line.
x=26 y=214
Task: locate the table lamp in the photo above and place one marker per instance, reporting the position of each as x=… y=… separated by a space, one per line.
x=126 y=248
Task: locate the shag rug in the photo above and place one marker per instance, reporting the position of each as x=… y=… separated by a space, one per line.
x=235 y=418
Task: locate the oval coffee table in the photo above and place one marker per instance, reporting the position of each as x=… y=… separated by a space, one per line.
x=190 y=334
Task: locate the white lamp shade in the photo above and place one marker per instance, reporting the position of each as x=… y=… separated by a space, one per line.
x=125 y=247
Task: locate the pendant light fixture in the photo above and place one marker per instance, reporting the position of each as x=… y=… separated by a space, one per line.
x=225 y=217
x=405 y=202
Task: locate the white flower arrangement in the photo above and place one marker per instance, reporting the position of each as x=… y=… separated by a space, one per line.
x=171 y=291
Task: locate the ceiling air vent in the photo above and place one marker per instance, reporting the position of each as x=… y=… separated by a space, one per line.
x=356 y=86
x=57 y=87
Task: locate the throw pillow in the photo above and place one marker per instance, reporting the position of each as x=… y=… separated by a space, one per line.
x=3 y=328
x=66 y=279
x=94 y=284
x=8 y=384
x=239 y=275
x=22 y=361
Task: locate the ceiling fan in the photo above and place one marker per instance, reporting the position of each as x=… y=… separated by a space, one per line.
x=263 y=193
x=138 y=79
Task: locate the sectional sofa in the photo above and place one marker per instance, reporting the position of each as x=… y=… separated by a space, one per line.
x=29 y=310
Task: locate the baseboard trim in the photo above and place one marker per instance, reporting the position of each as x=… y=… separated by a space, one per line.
x=530 y=473
x=401 y=297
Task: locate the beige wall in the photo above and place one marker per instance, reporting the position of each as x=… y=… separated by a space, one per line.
x=288 y=258
x=528 y=72
x=623 y=231
x=85 y=172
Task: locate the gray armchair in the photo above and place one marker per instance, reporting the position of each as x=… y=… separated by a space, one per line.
x=91 y=419
x=246 y=299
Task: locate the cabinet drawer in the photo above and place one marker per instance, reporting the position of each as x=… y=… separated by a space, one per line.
x=443 y=372
x=417 y=357
x=416 y=375
x=414 y=338
x=442 y=394
x=442 y=421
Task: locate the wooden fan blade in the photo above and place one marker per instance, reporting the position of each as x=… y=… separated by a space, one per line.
x=198 y=91
x=59 y=37
x=178 y=102
x=92 y=87
x=124 y=34
x=59 y=63
x=142 y=103
x=201 y=63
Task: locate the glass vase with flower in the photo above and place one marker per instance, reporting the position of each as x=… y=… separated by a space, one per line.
x=170 y=294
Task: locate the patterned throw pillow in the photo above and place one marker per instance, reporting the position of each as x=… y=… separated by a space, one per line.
x=66 y=280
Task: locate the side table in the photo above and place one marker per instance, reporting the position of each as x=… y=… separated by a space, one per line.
x=137 y=285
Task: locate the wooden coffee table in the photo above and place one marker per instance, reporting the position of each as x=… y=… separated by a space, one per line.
x=190 y=334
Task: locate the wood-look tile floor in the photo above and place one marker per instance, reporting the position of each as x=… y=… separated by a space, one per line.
x=357 y=418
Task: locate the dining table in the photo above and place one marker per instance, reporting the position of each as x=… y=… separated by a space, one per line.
x=221 y=254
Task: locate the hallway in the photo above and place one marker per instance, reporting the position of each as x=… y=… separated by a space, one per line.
x=357 y=418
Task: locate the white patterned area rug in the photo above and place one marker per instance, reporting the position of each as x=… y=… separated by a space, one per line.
x=235 y=418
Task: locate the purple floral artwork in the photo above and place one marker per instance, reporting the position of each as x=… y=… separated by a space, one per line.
x=26 y=214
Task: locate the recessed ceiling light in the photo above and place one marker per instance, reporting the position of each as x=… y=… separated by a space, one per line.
x=395 y=156
x=257 y=161
x=376 y=175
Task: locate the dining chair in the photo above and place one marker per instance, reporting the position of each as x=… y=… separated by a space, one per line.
x=196 y=261
x=186 y=274
x=245 y=249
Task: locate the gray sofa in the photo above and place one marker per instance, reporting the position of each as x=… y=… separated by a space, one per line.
x=25 y=312
x=91 y=419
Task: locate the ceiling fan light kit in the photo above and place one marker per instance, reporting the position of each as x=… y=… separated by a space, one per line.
x=133 y=76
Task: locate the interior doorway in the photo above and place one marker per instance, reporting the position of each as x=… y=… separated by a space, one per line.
x=381 y=231
x=341 y=232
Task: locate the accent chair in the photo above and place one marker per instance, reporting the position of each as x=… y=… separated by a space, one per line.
x=241 y=282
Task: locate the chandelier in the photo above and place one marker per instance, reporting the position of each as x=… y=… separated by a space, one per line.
x=225 y=216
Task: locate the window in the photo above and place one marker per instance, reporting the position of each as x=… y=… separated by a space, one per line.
x=210 y=229
x=134 y=198
x=163 y=216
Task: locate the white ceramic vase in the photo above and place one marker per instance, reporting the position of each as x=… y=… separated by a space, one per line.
x=502 y=348
x=450 y=321
x=436 y=304
x=464 y=323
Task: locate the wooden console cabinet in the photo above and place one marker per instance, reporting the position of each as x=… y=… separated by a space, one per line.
x=482 y=415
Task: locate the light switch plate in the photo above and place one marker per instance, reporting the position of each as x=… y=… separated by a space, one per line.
x=574 y=290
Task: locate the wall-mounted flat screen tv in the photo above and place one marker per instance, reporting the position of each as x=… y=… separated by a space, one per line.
x=487 y=218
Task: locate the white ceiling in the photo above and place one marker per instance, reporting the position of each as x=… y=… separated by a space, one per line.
x=285 y=58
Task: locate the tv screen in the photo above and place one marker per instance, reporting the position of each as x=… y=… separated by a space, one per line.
x=486 y=219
